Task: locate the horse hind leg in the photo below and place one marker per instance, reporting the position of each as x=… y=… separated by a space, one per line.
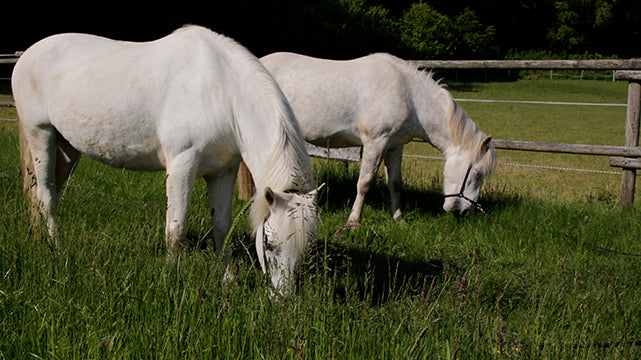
x=220 y=190
x=28 y=175
x=39 y=148
x=393 y=160
x=66 y=160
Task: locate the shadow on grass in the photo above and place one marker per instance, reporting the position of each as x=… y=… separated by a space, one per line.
x=351 y=270
x=368 y=276
x=340 y=192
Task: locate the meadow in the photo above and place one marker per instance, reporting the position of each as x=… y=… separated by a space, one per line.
x=526 y=281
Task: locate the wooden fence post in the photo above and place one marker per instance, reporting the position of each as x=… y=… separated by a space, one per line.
x=628 y=176
x=246 y=187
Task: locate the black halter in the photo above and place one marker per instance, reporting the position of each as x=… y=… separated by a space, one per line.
x=461 y=193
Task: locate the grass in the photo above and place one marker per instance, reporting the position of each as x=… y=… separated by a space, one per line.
x=524 y=282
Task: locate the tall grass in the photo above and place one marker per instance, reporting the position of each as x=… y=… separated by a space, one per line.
x=525 y=281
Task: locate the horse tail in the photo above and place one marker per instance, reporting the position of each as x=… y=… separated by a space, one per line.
x=28 y=173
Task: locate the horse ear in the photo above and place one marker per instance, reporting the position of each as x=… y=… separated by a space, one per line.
x=270 y=196
x=275 y=197
x=486 y=144
x=315 y=192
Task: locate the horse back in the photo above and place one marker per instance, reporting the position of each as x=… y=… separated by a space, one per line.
x=344 y=101
x=123 y=103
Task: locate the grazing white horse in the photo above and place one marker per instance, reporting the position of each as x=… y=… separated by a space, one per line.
x=195 y=104
x=381 y=102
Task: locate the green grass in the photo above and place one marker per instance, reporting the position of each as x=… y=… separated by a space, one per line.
x=524 y=282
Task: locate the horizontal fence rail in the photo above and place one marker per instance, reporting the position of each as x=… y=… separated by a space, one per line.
x=10 y=58
x=540 y=102
x=622 y=156
x=632 y=64
x=580 y=149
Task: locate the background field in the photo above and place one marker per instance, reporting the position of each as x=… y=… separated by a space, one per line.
x=525 y=282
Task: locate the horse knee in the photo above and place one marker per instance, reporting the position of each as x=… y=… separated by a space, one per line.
x=363 y=186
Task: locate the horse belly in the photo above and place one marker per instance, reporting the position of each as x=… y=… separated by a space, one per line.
x=130 y=152
x=114 y=123
x=335 y=140
x=121 y=141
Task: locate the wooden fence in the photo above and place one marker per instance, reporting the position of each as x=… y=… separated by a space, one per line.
x=622 y=156
x=625 y=157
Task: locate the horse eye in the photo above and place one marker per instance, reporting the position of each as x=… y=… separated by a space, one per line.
x=269 y=246
x=268 y=235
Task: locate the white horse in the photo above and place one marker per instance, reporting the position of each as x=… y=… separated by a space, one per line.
x=195 y=104
x=381 y=102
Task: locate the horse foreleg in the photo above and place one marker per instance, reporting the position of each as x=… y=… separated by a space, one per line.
x=372 y=158
x=180 y=184
x=220 y=191
x=393 y=160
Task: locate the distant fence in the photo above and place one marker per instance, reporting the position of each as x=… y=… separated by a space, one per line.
x=10 y=58
x=551 y=65
x=625 y=157
x=622 y=156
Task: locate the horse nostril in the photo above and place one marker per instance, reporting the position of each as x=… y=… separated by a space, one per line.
x=463 y=213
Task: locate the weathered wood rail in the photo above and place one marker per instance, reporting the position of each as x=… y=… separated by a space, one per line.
x=624 y=156
x=632 y=64
x=10 y=58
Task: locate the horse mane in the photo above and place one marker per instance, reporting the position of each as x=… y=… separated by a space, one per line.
x=290 y=169
x=288 y=156
x=463 y=131
x=469 y=138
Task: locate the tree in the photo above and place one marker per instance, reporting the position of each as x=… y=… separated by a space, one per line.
x=577 y=24
x=476 y=40
x=426 y=33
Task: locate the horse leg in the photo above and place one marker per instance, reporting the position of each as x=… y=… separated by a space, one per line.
x=372 y=158
x=220 y=191
x=180 y=185
x=66 y=159
x=42 y=146
x=393 y=160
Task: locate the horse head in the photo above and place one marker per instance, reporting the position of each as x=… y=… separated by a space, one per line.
x=464 y=174
x=284 y=235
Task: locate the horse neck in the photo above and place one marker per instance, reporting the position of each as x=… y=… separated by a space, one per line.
x=273 y=148
x=446 y=125
x=432 y=109
x=275 y=155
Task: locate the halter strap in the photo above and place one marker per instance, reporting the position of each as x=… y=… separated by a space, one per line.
x=461 y=193
x=265 y=244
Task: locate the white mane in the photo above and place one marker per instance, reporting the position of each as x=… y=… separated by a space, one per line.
x=463 y=131
x=289 y=148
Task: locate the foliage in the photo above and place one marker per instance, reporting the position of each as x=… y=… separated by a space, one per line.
x=477 y=38
x=427 y=33
x=576 y=22
x=351 y=28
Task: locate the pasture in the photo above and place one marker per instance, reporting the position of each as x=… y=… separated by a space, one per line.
x=526 y=282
